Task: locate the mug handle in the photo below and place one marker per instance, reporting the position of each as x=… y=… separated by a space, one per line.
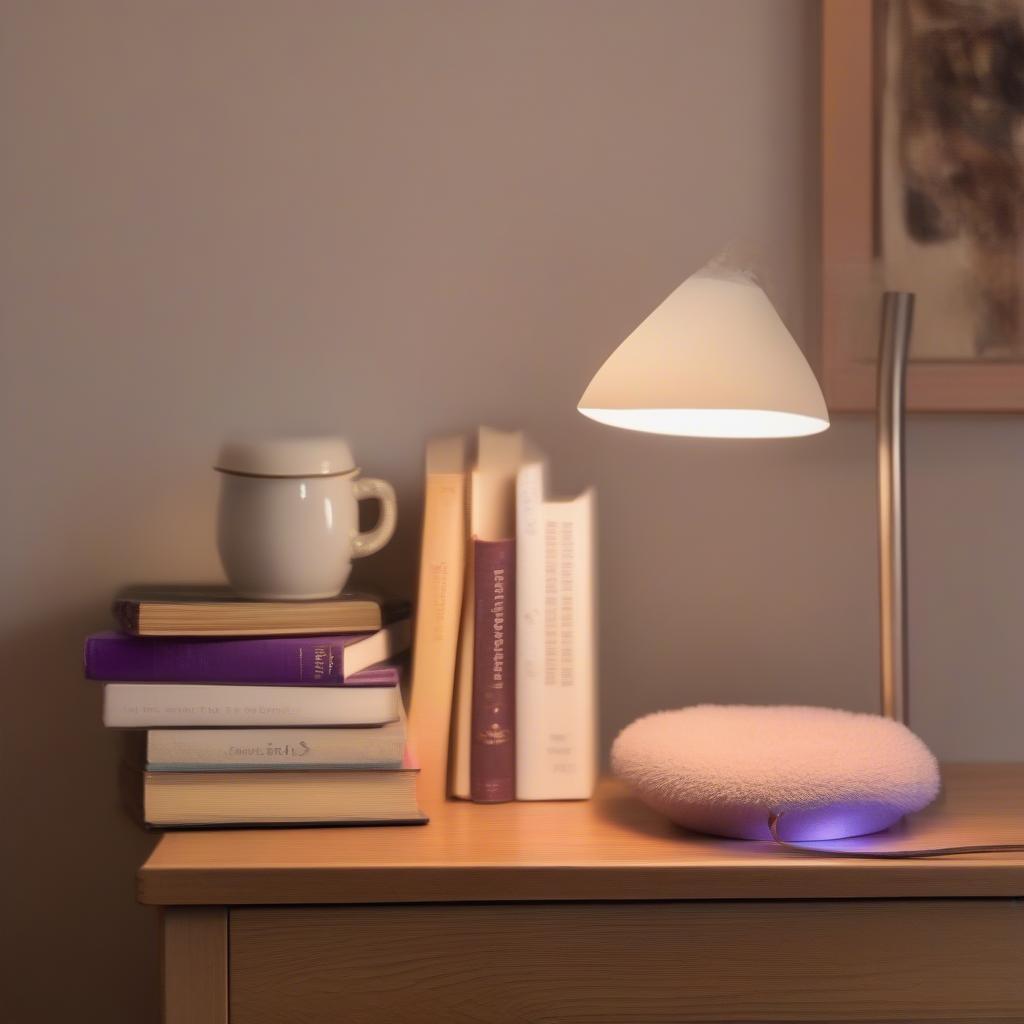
x=371 y=541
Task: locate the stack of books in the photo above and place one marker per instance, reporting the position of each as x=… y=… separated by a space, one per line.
x=503 y=702
x=258 y=712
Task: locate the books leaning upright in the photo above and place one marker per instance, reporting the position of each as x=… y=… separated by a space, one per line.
x=492 y=775
x=556 y=750
x=491 y=517
x=438 y=605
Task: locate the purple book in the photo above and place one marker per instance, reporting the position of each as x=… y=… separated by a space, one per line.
x=492 y=750
x=355 y=659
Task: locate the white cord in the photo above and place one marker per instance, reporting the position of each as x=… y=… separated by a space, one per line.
x=939 y=851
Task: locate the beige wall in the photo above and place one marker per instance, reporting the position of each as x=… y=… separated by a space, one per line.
x=390 y=220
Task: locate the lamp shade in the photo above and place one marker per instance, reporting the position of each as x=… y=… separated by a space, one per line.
x=713 y=360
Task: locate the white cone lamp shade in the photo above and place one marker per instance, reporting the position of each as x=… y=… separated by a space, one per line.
x=713 y=360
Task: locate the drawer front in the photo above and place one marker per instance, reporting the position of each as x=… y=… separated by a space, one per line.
x=616 y=963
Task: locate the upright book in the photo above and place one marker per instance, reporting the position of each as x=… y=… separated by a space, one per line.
x=324 y=660
x=216 y=611
x=492 y=770
x=556 y=677
x=490 y=517
x=442 y=567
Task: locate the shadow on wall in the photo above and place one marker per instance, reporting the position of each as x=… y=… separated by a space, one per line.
x=76 y=849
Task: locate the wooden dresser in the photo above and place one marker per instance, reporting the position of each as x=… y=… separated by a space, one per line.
x=593 y=912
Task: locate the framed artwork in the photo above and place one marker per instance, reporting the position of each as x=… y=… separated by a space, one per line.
x=923 y=191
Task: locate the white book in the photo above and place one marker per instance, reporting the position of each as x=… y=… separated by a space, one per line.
x=556 y=665
x=153 y=705
x=253 y=749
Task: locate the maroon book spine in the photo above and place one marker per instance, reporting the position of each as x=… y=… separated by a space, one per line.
x=492 y=754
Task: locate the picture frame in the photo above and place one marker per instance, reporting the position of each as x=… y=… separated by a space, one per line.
x=853 y=266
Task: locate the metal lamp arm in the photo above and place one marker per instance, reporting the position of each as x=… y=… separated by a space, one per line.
x=897 y=323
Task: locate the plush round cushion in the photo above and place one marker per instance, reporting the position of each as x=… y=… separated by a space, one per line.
x=723 y=769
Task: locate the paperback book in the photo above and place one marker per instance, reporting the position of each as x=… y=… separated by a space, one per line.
x=324 y=660
x=491 y=517
x=164 y=705
x=380 y=746
x=442 y=568
x=556 y=681
x=197 y=799
x=217 y=611
x=492 y=751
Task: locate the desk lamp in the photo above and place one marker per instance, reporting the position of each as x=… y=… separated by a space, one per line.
x=715 y=360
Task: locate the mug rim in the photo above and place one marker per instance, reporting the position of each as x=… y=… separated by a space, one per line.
x=353 y=472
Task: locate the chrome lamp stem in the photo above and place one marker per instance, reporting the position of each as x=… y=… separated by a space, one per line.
x=897 y=322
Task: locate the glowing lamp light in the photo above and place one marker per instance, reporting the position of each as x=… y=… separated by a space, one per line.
x=713 y=360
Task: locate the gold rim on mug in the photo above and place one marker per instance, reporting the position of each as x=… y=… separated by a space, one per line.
x=353 y=472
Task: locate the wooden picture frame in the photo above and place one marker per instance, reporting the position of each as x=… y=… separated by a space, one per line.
x=849 y=231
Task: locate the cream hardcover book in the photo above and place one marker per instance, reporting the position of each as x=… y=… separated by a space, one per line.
x=191 y=705
x=352 y=796
x=228 y=750
x=556 y=670
x=491 y=516
x=438 y=607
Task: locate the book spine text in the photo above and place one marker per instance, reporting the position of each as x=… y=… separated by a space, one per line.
x=170 y=749
x=492 y=749
x=557 y=670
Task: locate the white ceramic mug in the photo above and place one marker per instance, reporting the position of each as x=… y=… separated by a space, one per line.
x=288 y=519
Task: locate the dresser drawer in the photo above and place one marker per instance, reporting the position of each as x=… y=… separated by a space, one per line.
x=615 y=963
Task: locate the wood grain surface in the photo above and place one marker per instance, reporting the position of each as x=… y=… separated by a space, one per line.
x=195 y=965
x=611 y=847
x=909 y=960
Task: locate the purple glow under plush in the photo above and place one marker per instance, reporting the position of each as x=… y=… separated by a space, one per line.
x=723 y=769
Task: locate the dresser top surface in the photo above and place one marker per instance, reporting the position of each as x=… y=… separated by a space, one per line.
x=608 y=848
